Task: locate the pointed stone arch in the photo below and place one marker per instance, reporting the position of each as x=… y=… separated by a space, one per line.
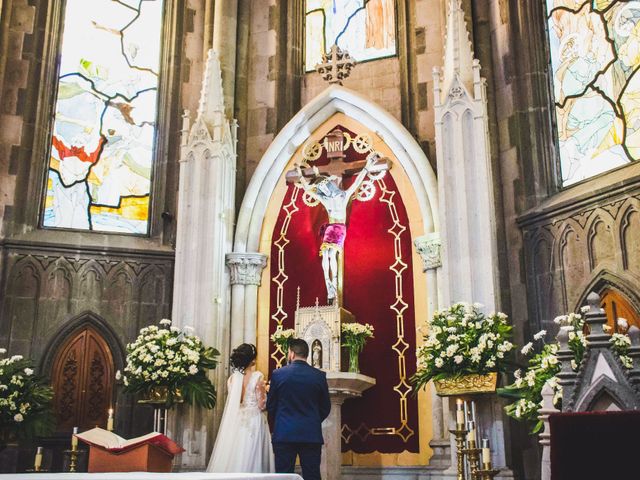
x=334 y=100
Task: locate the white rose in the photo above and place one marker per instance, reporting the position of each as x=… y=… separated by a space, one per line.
x=193 y=369
x=3 y=351
x=439 y=362
x=457 y=359
x=165 y=321
x=18 y=417
x=28 y=371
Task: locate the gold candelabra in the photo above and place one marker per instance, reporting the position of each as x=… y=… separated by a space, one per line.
x=479 y=459
x=73 y=463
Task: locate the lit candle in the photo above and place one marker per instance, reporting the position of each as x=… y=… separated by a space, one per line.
x=38 y=461
x=486 y=454
x=74 y=439
x=110 y=420
x=459 y=414
x=471 y=436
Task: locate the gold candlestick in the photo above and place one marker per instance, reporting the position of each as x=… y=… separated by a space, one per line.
x=471 y=451
x=460 y=434
x=74 y=451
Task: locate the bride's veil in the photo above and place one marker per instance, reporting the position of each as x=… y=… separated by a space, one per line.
x=226 y=441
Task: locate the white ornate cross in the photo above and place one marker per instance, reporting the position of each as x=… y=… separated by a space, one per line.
x=336 y=65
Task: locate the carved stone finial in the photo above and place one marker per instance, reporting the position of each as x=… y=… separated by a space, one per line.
x=458 y=57
x=430 y=249
x=246 y=268
x=593 y=300
x=336 y=65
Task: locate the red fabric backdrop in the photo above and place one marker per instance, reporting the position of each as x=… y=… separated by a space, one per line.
x=378 y=289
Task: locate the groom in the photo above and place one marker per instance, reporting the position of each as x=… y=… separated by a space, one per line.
x=298 y=402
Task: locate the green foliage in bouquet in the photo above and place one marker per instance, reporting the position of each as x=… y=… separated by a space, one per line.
x=543 y=366
x=25 y=401
x=462 y=340
x=168 y=357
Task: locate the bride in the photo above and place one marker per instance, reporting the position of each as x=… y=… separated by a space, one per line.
x=243 y=444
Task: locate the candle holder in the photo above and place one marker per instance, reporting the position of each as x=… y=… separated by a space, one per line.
x=460 y=433
x=487 y=473
x=473 y=454
x=73 y=456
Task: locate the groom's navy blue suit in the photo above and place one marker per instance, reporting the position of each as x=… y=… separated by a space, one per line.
x=298 y=402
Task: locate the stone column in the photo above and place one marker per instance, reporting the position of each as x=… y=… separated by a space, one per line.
x=429 y=247
x=245 y=270
x=225 y=26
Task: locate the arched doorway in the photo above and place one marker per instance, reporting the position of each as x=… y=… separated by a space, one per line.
x=82 y=377
x=617 y=306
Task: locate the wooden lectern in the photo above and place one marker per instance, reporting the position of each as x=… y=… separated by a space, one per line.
x=109 y=453
x=143 y=458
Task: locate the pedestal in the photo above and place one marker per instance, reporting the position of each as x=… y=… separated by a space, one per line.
x=342 y=386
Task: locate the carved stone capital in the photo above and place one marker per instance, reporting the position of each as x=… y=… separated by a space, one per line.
x=429 y=247
x=246 y=268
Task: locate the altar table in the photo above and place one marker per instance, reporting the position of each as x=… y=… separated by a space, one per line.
x=151 y=476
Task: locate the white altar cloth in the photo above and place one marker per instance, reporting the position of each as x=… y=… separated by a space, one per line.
x=151 y=476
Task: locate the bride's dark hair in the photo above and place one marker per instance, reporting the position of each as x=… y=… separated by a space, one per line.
x=242 y=356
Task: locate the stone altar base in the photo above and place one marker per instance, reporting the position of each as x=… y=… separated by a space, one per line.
x=342 y=386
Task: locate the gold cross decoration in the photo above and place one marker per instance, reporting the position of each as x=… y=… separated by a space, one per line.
x=336 y=65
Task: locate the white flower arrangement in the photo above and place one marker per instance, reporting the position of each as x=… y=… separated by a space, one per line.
x=355 y=336
x=282 y=337
x=543 y=366
x=24 y=400
x=168 y=357
x=462 y=340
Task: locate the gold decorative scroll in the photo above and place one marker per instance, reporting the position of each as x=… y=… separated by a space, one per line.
x=466 y=384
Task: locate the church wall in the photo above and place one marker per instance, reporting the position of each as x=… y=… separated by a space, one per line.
x=49 y=277
x=272 y=87
x=558 y=244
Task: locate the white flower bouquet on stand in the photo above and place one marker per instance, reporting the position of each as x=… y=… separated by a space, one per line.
x=25 y=401
x=167 y=366
x=463 y=350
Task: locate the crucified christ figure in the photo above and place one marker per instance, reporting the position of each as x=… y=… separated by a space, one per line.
x=326 y=190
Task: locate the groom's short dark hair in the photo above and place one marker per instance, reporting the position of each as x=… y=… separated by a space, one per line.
x=299 y=347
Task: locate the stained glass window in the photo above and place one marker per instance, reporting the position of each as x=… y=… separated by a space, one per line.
x=102 y=140
x=595 y=57
x=365 y=28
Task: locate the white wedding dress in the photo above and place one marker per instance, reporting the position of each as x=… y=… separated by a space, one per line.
x=243 y=444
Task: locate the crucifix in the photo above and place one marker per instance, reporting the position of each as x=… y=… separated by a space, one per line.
x=324 y=185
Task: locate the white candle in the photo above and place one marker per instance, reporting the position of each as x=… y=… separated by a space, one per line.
x=471 y=436
x=459 y=413
x=110 y=420
x=486 y=452
x=74 y=439
x=38 y=461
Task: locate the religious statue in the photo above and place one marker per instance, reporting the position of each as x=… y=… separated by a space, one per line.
x=316 y=355
x=326 y=189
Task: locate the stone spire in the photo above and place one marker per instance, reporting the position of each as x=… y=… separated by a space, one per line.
x=458 y=56
x=211 y=103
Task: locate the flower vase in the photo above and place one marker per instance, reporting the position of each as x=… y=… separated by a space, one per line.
x=354 y=360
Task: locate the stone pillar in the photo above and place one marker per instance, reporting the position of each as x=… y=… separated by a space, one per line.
x=545 y=436
x=225 y=26
x=246 y=275
x=429 y=247
x=205 y=219
x=466 y=200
